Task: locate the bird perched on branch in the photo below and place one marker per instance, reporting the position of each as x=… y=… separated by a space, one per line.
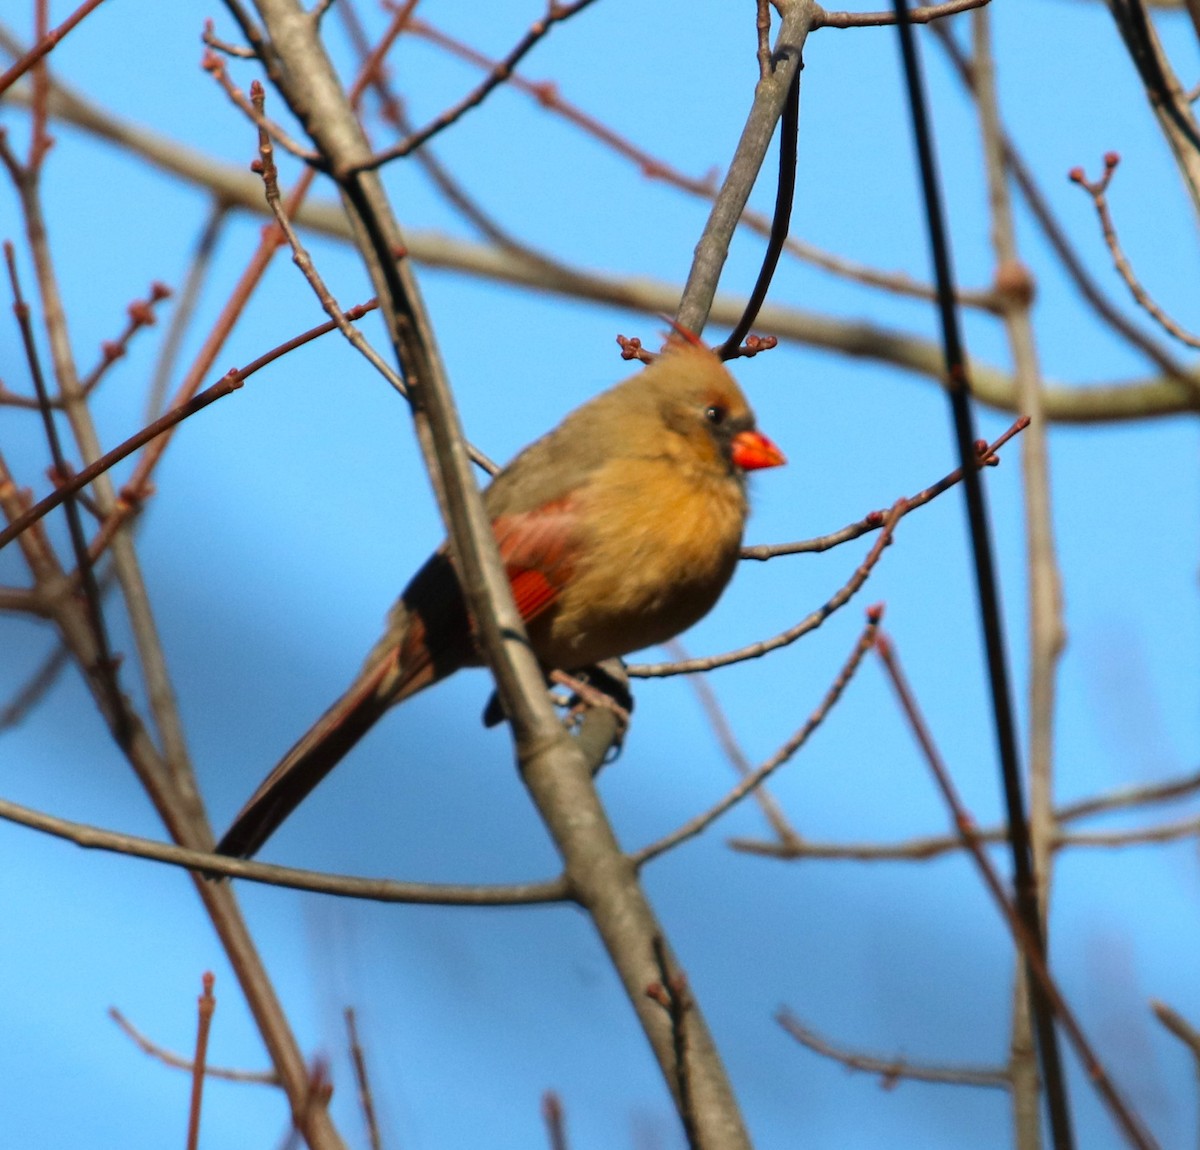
x=618 y=530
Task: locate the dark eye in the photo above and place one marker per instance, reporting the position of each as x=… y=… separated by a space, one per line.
x=716 y=414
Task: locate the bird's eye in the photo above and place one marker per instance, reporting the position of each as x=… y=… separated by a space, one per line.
x=716 y=414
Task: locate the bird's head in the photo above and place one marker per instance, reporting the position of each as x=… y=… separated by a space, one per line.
x=705 y=412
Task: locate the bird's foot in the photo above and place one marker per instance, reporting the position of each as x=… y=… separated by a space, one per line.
x=585 y=694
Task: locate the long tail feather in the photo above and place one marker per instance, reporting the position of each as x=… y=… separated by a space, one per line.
x=319 y=750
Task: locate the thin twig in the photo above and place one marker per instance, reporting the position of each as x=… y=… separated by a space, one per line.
x=555 y=14
x=1165 y=791
x=809 y=623
x=366 y=1100
x=46 y=44
x=727 y=741
x=302 y=260
x=178 y=1062
x=203 y=862
x=105 y=666
x=985 y=457
x=1178 y=1026
x=931 y=846
x=215 y=67
x=265 y=166
x=185 y=307
x=205 y=1007
x=762 y=28
x=140 y=314
x=704 y=820
x=652 y=167
x=555 y=1119
x=1029 y=942
x=1098 y=190
x=672 y=994
x=890 y=1070
x=926 y=14
x=35 y=688
x=1134 y=836
x=1039 y=206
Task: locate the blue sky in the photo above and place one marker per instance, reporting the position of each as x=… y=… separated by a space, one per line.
x=289 y=516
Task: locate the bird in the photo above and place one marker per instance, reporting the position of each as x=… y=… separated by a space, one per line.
x=618 y=530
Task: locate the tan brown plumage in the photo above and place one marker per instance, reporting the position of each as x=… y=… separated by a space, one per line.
x=618 y=529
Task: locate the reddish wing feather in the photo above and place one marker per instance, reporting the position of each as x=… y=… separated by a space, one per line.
x=538 y=550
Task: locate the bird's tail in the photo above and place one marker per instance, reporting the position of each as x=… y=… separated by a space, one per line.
x=380 y=685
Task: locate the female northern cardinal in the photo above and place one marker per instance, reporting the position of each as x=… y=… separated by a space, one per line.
x=619 y=529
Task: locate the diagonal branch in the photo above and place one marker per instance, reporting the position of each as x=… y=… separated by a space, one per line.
x=553 y=769
x=770 y=97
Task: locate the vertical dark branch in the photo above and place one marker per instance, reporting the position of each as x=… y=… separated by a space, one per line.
x=770 y=96
x=985 y=577
x=1133 y=22
x=789 y=130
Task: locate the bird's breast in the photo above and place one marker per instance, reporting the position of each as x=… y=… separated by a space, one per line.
x=658 y=543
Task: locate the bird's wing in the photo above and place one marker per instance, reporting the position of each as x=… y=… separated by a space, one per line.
x=538 y=549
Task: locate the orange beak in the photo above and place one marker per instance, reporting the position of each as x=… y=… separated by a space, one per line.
x=752 y=451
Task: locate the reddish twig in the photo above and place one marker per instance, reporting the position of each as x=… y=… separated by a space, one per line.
x=140 y=315
x=672 y=994
x=371 y=67
x=1056 y=237
x=546 y=93
x=205 y=1007
x=555 y=14
x=212 y=63
x=105 y=665
x=265 y=166
x=46 y=44
x=873 y=520
x=36 y=687
x=727 y=741
x=702 y=821
x=365 y=1097
x=238 y=51
x=1178 y=1026
x=1028 y=943
x=555 y=1119
x=785 y=638
x=1098 y=190
x=762 y=29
